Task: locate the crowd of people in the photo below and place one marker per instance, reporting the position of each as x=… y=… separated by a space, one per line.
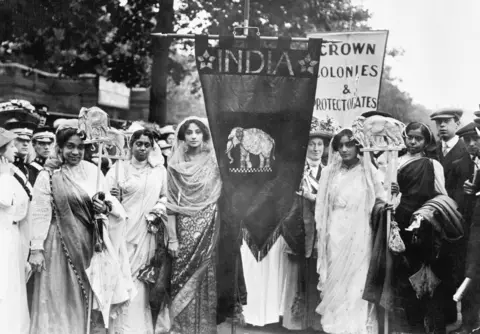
x=133 y=249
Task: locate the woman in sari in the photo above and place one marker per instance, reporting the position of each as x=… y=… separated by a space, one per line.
x=14 y=316
x=348 y=188
x=70 y=217
x=194 y=187
x=420 y=179
x=141 y=186
x=300 y=296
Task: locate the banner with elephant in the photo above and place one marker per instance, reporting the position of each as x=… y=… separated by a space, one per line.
x=259 y=103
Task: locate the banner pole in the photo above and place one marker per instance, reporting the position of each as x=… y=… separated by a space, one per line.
x=263 y=38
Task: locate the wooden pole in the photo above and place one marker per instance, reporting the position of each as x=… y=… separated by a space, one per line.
x=392 y=163
x=99 y=173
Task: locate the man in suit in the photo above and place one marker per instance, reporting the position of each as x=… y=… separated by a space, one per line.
x=463 y=192
x=450 y=147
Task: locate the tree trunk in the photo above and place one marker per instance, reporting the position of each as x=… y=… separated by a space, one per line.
x=160 y=53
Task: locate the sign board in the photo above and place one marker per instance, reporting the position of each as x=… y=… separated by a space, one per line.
x=349 y=75
x=113 y=94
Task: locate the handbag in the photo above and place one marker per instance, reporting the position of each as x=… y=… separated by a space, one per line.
x=395 y=242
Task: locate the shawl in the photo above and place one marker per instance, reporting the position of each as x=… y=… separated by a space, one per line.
x=192 y=185
x=443 y=214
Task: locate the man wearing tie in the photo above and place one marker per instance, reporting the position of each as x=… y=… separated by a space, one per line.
x=450 y=147
x=463 y=184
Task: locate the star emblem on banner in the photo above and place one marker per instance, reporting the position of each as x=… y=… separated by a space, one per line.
x=206 y=60
x=307 y=64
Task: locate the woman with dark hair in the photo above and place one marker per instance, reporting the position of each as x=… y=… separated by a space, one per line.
x=194 y=187
x=67 y=215
x=421 y=183
x=300 y=295
x=141 y=187
x=348 y=189
x=14 y=316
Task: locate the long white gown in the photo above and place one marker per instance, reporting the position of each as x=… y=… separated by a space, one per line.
x=347 y=242
x=264 y=281
x=144 y=188
x=14 y=317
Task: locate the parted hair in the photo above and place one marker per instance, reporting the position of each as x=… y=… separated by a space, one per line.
x=183 y=128
x=344 y=133
x=63 y=135
x=142 y=132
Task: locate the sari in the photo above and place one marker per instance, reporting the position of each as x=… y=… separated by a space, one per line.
x=420 y=180
x=345 y=202
x=193 y=191
x=62 y=215
x=144 y=189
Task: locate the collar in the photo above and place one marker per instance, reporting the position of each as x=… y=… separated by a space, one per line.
x=314 y=164
x=451 y=142
x=19 y=161
x=40 y=160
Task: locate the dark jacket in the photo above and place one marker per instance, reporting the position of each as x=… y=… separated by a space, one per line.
x=457 y=152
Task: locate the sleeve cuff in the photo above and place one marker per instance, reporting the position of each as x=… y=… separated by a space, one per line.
x=36 y=245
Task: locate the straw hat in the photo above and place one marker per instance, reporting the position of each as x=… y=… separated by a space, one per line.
x=324 y=128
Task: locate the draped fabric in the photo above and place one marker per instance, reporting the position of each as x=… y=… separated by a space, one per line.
x=62 y=223
x=14 y=317
x=416 y=179
x=344 y=245
x=142 y=186
x=192 y=185
x=193 y=189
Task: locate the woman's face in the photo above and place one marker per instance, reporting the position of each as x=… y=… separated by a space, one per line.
x=193 y=136
x=315 y=149
x=170 y=139
x=415 y=141
x=141 y=148
x=347 y=149
x=10 y=151
x=73 y=151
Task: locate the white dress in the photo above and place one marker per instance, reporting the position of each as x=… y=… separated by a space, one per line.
x=144 y=188
x=14 y=317
x=348 y=252
x=264 y=281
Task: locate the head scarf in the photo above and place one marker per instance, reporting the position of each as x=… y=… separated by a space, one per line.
x=192 y=185
x=324 y=203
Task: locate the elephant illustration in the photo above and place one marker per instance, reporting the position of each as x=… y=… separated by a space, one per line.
x=251 y=141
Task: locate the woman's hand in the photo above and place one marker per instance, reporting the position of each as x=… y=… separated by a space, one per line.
x=468 y=188
x=173 y=248
x=99 y=206
x=37 y=261
x=115 y=192
x=5 y=167
x=395 y=189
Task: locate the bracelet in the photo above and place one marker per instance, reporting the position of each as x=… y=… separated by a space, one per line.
x=172 y=241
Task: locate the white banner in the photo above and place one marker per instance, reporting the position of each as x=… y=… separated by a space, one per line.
x=349 y=75
x=113 y=94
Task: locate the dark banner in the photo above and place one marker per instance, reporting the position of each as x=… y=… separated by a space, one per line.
x=259 y=104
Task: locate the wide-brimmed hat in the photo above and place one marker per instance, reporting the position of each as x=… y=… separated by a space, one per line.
x=6 y=137
x=324 y=128
x=19 y=111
